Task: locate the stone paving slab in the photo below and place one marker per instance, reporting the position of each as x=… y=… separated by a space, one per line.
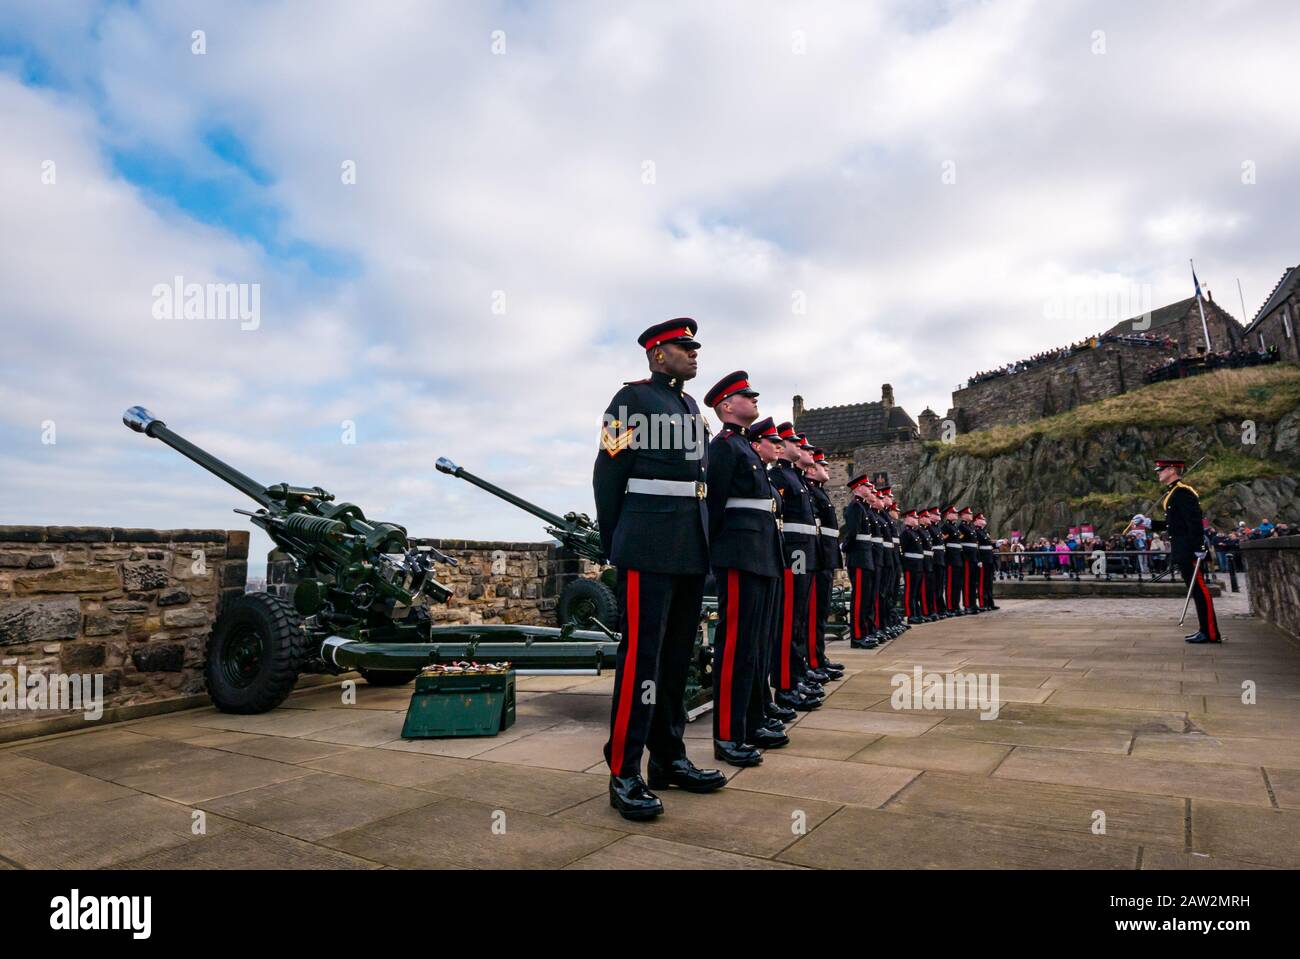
x=859 y=783
x=1069 y=810
x=318 y=805
x=934 y=752
x=247 y=847
x=461 y=833
x=1130 y=774
x=861 y=838
x=1270 y=836
x=646 y=852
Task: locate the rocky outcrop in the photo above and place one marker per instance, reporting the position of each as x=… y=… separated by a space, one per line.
x=1051 y=483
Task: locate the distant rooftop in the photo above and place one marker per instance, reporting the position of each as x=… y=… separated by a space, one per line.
x=842 y=429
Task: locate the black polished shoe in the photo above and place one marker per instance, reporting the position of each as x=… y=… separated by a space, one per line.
x=835 y=674
x=818 y=675
x=1191 y=636
x=684 y=774
x=993 y=606
x=768 y=739
x=810 y=692
x=780 y=713
x=796 y=701
x=633 y=799
x=736 y=754
x=774 y=724
x=867 y=643
x=837 y=667
x=1201 y=638
x=916 y=620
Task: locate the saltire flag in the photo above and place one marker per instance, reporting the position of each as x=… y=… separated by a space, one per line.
x=1196 y=283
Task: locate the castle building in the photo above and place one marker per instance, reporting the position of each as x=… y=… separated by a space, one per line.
x=1113 y=363
x=1275 y=323
x=879 y=438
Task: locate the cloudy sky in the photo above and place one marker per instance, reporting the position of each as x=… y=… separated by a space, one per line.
x=458 y=217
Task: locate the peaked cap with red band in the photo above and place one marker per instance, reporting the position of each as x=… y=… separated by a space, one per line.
x=764 y=429
x=1179 y=465
x=857 y=481
x=787 y=432
x=729 y=385
x=680 y=331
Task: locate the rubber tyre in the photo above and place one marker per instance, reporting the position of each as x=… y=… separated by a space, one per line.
x=270 y=630
x=388 y=677
x=583 y=599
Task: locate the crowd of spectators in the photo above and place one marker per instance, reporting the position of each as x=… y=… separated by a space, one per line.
x=1138 y=551
x=1176 y=367
x=1092 y=342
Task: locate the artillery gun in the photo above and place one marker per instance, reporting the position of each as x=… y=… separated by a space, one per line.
x=582 y=601
x=361 y=602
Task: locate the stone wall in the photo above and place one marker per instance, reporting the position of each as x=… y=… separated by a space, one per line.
x=1279 y=329
x=133 y=605
x=894 y=462
x=1274 y=580
x=493 y=582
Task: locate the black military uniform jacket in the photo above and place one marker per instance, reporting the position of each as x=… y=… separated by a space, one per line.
x=857 y=552
x=828 y=553
x=952 y=543
x=641 y=531
x=985 y=542
x=1183 y=520
x=890 y=536
x=926 y=542
x=937 y=548
x=797 y=510
x=969 y=543
x=741 y=537
x=876 y=528
x=910 y=543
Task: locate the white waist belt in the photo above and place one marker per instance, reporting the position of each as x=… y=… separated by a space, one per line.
x=971 y=545
x=659 y=487
x=876 y=539
x=739 y=502
x=888 y=545
x=863 y=538
x=832 y=533
x=913 y=556
x=986 y=547
x=801 y=528
x=953 y=545
x=897 y=540
x=936 y=549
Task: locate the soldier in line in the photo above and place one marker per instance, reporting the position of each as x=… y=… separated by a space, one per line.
x=988 y=563
x=745 y=551
x=913 y=556
x=879 y=531
x=855 y=543
x=956 y=565
x=763 y=710
x=800 y=535
x=654 y=529
x=971 y=558
x=940 y=554
x=897 y=622
x=828 y=561
x=1185 y=525
x=925 y=535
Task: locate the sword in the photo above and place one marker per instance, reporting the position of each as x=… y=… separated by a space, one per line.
x=1190 y=586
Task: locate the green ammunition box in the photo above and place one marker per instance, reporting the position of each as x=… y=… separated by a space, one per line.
x=460 y=704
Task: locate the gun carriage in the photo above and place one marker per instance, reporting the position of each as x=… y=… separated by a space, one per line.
x=361 y=602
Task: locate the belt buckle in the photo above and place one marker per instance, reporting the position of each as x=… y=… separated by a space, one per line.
x=701 y=489
x=771 y=505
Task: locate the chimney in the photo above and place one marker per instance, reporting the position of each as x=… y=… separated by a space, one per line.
x=886 y=396
x=797 y=408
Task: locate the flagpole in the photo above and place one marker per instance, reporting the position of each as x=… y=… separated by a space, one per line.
x=1200 y=306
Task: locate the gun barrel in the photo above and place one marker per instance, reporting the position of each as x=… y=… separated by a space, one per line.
x=142 y=421
x=445 y=465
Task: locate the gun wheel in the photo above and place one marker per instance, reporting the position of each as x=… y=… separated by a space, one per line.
x=254 y=654
x=583 y=600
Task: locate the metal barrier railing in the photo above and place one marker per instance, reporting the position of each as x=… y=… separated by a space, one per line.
x=1106 y=565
